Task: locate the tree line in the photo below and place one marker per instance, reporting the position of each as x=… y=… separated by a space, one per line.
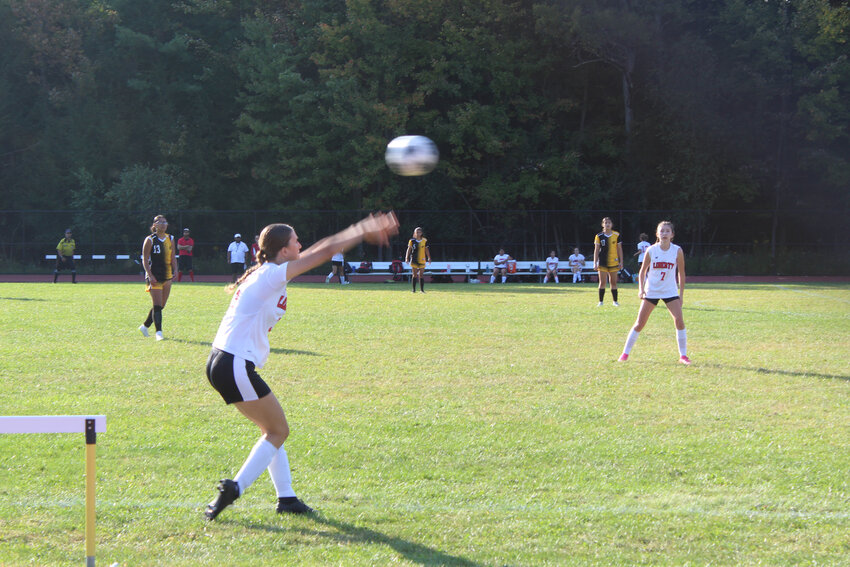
x=534 y=104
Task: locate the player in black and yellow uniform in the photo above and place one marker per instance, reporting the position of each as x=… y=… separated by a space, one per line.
x=160 y=264
x=418 y=256
x=65 y=257
x=607 y=259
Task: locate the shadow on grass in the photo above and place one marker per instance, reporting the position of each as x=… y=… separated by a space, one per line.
x=274 y=350
x=761 y=370
x=22 y=299
x=346 y=533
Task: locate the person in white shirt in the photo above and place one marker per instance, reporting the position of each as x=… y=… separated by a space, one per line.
x=241 y=345
x=551 y=267
x=500 y=266
x=236 y=254
x=337 y=269
x=662 y=276
x=642 y=246
x=576 y=260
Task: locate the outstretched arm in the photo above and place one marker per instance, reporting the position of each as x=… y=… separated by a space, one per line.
x=374 y=229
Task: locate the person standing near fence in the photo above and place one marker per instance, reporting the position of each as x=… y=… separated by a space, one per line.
x=185 y=247
x=418 y=256
x=641 y=248
x=662 y=276
x=237 y=251
x=607 y=259
x=160 y=263
x=241 y=345
x=337 y=268
x=65 y=256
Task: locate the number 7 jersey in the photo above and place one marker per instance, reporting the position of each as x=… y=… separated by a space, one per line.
x=663 y=268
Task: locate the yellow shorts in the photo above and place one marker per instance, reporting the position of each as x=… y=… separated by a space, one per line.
x=158 y=285
x=606 y=269
x=417 y=266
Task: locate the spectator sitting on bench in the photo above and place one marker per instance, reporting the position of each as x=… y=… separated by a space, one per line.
x=576 y=264
x=551 y=267
x=500 y=266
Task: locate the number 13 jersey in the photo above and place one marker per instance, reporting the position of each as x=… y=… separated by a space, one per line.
x=661 y=281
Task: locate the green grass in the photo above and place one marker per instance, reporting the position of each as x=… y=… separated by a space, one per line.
x=474 y=425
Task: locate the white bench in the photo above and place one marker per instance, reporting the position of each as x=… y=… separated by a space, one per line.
x=526 y=269
x=93 y=256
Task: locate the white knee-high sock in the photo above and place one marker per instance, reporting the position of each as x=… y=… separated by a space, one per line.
x=556 y=279
x=630 y=341
x=281 y=475
x=504 y=279
x=682 y=341
x=492 y=279
x=258 y=460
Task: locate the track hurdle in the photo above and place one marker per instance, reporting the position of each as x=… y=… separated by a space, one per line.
x=91 y=426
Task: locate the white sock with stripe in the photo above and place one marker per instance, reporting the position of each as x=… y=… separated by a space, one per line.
x=281 y=475
x=258 y=460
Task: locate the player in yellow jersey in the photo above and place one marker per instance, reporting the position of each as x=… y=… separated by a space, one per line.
x=607 y=259
x=160 y=263
x=65 y=256
x=418 y=256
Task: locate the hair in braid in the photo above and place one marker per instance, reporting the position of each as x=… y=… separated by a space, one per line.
x=272 y=238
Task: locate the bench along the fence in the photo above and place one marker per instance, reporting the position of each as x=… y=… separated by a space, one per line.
x=524 y=269
x=92 y=256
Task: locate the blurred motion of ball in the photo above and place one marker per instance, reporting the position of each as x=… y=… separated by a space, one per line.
x=412 y=155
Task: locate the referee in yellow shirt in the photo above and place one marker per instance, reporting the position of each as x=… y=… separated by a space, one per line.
x=65 y=256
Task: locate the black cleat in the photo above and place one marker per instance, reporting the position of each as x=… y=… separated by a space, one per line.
x=291 y=505
x=228 y=491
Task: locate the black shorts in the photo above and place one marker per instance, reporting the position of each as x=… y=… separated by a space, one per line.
x=65 y=262
x=237 y=267
x=664 y=299
x=336 y=263
x=235 y=378
x=184 y=263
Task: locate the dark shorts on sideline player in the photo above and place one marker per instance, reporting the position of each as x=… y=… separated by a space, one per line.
x=655 y=301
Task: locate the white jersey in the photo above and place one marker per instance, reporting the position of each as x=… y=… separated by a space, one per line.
x=577 y=260
x=338 y=257
x=256 y=307
x=500 y=261
x=642 y=246
x=552 y=263
x=663 y=269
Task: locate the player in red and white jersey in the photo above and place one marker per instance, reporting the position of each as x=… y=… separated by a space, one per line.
x=662 y=277
x=551 y=267
x=242 y=345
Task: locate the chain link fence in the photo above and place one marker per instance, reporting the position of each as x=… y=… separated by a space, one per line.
x=718 y=242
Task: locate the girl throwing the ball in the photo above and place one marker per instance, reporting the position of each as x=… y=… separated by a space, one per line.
x=242 y=345
x=662 y=276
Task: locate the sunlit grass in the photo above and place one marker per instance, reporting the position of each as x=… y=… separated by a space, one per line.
x=472 y=425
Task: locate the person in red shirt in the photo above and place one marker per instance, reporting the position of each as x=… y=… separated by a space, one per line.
x=184 y=255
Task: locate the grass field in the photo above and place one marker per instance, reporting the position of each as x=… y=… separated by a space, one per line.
x=474 y=425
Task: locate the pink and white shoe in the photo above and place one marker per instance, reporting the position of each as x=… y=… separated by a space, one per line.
x=685 y=360
x=623 y=357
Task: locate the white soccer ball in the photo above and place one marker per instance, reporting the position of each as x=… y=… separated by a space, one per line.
x=412 y=155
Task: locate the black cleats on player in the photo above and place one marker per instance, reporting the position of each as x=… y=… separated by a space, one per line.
x=291 y=505
x=228 y=491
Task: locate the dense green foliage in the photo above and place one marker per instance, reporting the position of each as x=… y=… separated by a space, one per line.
x=568 y=104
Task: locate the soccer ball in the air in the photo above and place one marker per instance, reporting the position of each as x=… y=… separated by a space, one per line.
x=412 y=155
